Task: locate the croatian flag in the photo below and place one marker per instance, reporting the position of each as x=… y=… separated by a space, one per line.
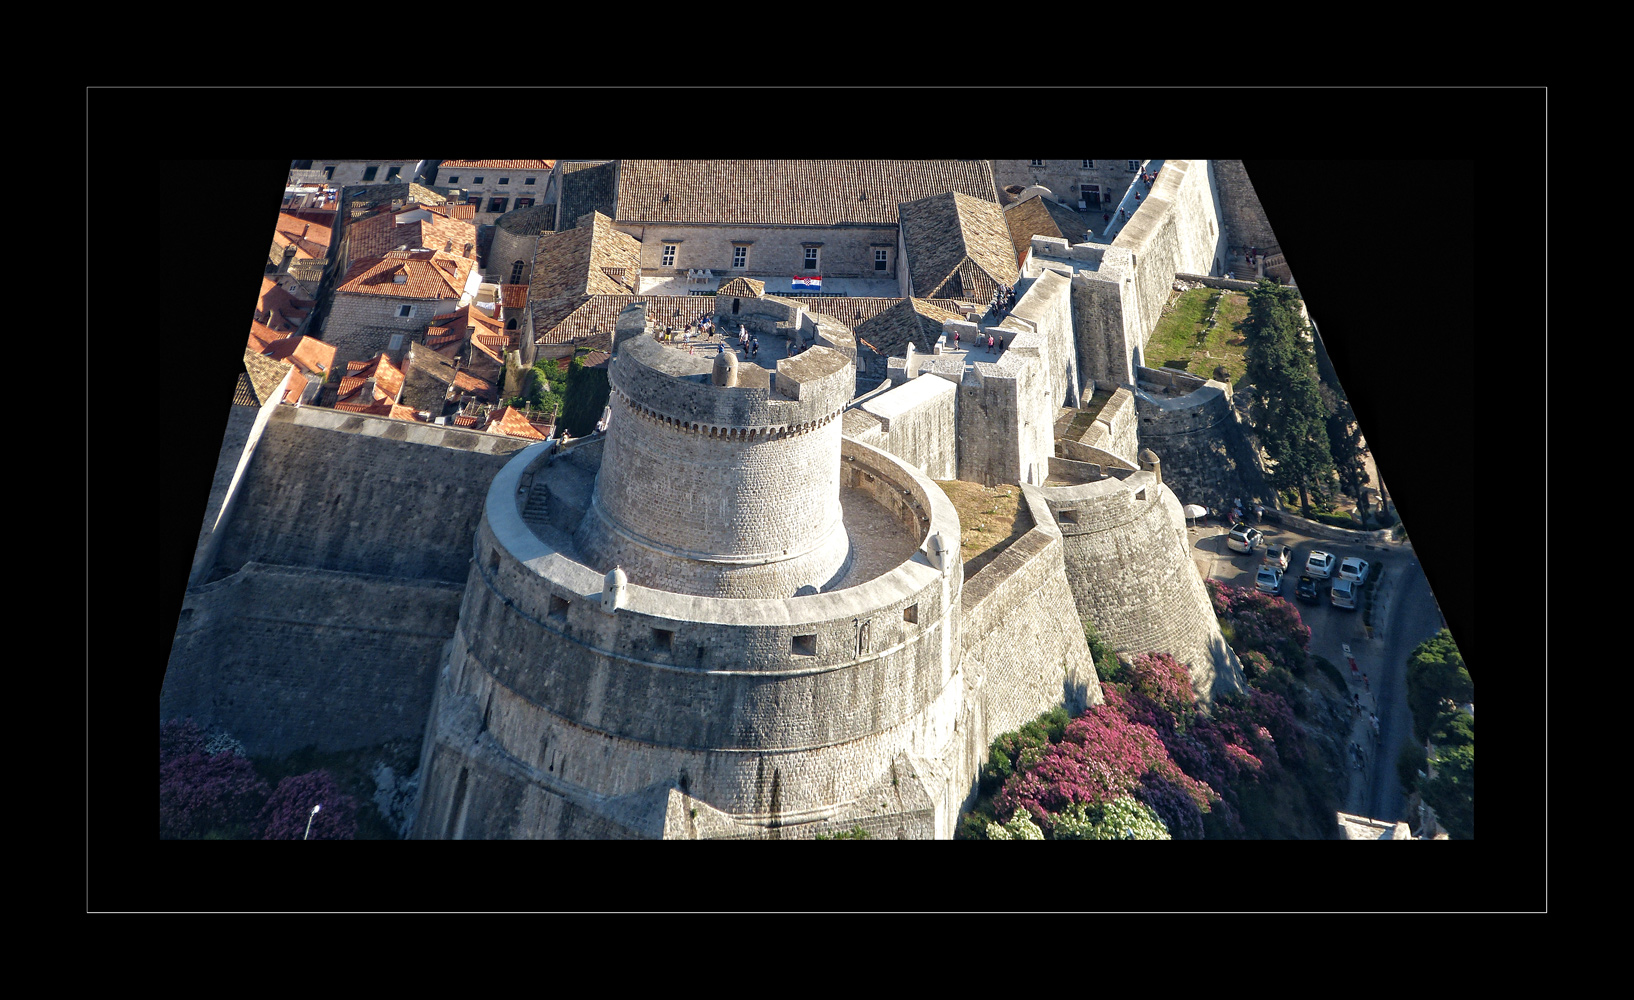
x=815 y=284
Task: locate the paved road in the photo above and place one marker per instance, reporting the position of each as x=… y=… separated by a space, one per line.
x=1405 y=616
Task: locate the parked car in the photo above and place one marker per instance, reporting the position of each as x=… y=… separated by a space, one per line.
x=1353 y=569
x=1278 y=556
x=1320 y=564
x=1345 y=594
x=1243 y=538
x=1307 y=591
x=1268 y=580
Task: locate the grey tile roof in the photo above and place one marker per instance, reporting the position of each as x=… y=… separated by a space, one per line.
x=588 y=320
x=263 y=375
x=957 y=246
x=854 y=310
x=587 y=187
x=789 y=192
x=578 y=261
x=1043 y=217
x=911 y=320
x=743 y=287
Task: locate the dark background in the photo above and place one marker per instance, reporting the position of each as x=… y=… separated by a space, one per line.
x=1394 y=235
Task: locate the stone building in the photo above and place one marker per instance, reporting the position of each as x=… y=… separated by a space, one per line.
x=777 y=219
x=345 y=172
x=494 y=187
x=383 y=302
x=956 y=247
x=1096 y=183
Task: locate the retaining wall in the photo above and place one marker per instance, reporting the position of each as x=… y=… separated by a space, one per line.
x=1205 y=451
x=285 y=658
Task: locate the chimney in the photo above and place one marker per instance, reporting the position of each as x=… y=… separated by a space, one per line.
x=366 y=396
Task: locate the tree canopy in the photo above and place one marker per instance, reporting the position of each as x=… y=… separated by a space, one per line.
x=1288 y=411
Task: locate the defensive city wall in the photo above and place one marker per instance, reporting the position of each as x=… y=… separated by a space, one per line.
x=1206 y=455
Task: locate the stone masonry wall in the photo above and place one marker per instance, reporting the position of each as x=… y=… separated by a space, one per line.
x=1129 y=566
x=776 y=252
x=285 y=658
x=1242 y=215
x=363 y=494
x=1114 y=429
x=361 y=326
x=917 y=423
x=1047 y=308
x=1175 y=229
x=1206 y=453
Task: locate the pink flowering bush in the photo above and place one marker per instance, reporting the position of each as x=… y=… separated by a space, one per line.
x=1161 y=679
x=286 y=813
x=1257 y=622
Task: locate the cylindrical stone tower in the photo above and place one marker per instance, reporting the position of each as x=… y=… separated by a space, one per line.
x=721 y=480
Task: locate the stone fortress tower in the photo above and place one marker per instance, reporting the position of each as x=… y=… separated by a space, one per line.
x=726 y=623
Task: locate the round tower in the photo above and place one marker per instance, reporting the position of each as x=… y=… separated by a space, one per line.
x=721 y=480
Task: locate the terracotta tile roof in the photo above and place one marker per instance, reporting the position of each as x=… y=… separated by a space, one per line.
x=587 y=187
x=540 y=165
x=576 y=262
x=467 y=382
x=431 y=228
x=743 y=287
x=265 y=374
x=594 y=359
x=789 y=192
x=510 y=422
x=513 y=296
x=890 y=331
x=1042 y=217
x=957 y=247
x=282 y=310
x=388 y=382
x=262 y=337
x=310 y=240
x=307 y=353
x=461 y=420
x=430 y=274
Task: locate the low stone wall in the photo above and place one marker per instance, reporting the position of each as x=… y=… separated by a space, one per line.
x=1078 y=452
x=285 y=658
x=1316 y=529
x=1114 y=429
x=1232 y=284
x=916 y=422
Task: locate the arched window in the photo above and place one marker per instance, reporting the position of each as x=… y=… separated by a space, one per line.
x=510 y=324
x=516 y=273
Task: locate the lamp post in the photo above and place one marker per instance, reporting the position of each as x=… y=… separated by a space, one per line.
x=309 y=818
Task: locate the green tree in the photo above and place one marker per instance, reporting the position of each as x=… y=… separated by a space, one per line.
x=1287 y=409
x=585 y=396
x=1124 y=818
x=1435 y=672
x=1106 y=662
x=1451 y=793
x=1410 y=760
x=1346 y=447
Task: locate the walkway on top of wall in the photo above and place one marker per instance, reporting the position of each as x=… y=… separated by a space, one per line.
x=1130 y=203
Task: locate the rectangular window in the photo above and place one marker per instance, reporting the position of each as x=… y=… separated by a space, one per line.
x=393 y=173
x=474 y=199
x=497 y=204
x=397 y=339
x=881 y=258
x=476 y=180
x=328 y=173
x=404 y=311
x=663 y=638
x=1089 y=164
x=524 y=203
x=1038 y=163
x=740 y=256
x=453 y=180
x=804 y=645
x=811 y=258
x=558 y=607
x=1134 y=165
x=669 y=255
x=911 y=614
x=530 y=180
x=504 y=181
x=369 y=172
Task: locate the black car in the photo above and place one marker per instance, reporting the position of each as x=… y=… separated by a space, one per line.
x=1306 y=591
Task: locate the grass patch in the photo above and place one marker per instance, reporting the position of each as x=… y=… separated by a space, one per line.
x=990 y=518
x=1087 y=413
x=1184 y=338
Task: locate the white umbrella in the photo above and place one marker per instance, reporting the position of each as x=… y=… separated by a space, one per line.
x=1194 y=511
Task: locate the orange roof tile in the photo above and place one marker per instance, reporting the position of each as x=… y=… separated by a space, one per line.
x=429 y=274
x=497 y=165
x=263 y=337
x=308 y=353
x=376 y=234
x=388 y=381
x=510 y=422
x=513 y=296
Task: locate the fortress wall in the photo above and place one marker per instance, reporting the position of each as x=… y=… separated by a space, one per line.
x=1076 y=452
x=1102 y=304
x=1007 y=414
x=1174 y=229
x=285 y=658
x=1241 y=214
x=1233 y=284
x=1047 y=308
x=1205 y=451
x=1129 y=567
x=244 y=427
x=917 y=422
x=1024 y=647
x=363 y=494
x=1114 y=429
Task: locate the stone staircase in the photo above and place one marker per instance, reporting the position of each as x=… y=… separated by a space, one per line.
x=536 y=513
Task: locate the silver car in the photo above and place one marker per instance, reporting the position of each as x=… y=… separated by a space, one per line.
x=1345 y=594
x=1320 y=564
x=1278 y=556
x=1268 y=580
x=1243 y=538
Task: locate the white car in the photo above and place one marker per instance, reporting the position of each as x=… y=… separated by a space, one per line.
x=1344 y=594
x=1278 y=556
x=1320 y=564
x=1354 y=570
x=1268 y=580
x=1243 y=538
